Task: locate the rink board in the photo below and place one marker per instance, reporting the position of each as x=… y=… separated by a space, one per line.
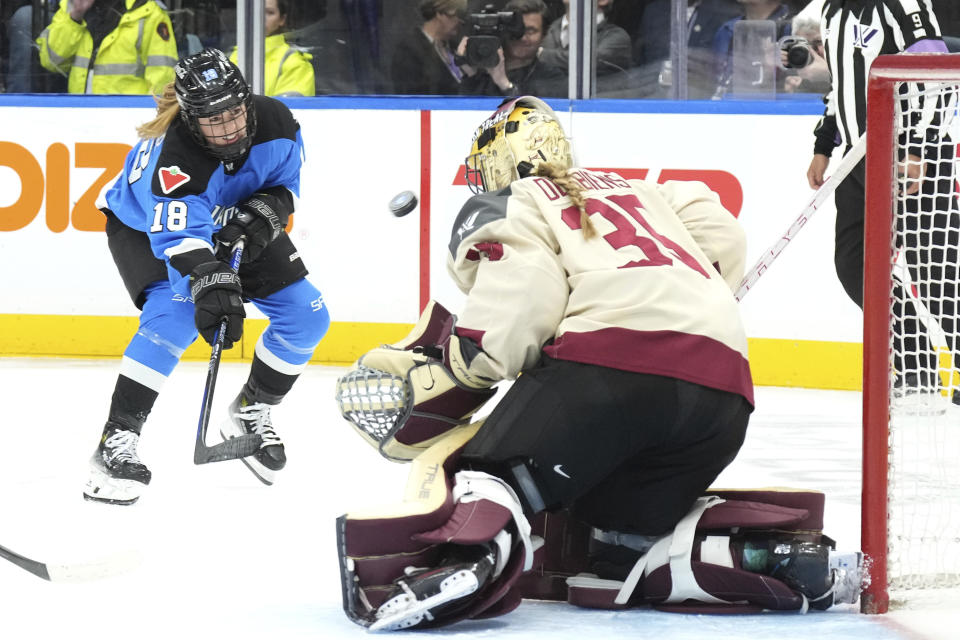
x=376 y=271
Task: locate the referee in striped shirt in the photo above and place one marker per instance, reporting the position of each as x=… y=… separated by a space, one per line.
x=854 y=33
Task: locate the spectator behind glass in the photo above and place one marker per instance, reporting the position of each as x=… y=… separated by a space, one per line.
x=137 y=57
x=815 y=77
x=19 y=63
x=772 y=10
x=423 y=64
x=612 y=45
x=704 y=19
x=287 y=70
x=519 y=71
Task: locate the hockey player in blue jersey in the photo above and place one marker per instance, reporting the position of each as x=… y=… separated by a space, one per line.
x=216 y=164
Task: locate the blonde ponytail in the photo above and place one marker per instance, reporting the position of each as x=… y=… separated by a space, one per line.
x=167 y=109
x=558 y=174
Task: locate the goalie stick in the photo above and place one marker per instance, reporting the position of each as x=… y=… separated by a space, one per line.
x=846 y=165
x=111 y=566
x=234 y=448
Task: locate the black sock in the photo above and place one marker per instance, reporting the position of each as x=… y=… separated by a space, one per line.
x=131 y=404
x=266 y=384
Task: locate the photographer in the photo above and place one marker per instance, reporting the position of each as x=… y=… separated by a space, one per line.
x=518 y=70
x=424 y=63
x=804 y=54
x=753 y=10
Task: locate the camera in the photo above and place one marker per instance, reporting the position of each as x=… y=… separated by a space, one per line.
x=485 y=32
x=798 y=50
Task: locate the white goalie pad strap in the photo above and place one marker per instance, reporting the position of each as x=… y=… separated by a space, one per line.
x=684 y=583
x=716 y=550
x=504 y=542
x=470 y=486
x=639 y=570
x=677 y=550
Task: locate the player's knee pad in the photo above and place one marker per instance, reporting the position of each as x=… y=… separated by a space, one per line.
x=441 y=511
x=312 y=318
x=298 y=318
x=167 y=321
x=735 y=551
x=400 y=399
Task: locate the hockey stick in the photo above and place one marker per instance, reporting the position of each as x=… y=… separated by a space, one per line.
x=235 y=447
x=75 y=572
x=846 y=165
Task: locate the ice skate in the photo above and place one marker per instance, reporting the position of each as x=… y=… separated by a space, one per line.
x=117 y=476
x=424 y=596
x=246 y=417
x=846 y=570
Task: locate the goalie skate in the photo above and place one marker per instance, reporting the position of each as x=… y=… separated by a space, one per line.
x=427 y=595
x=117 y=476
x=846 y=569
x=246 y=417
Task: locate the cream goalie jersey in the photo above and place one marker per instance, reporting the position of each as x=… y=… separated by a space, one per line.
x=650 y=291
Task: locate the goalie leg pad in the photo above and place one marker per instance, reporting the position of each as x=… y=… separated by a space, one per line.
x=451 y=550
x=701 y=566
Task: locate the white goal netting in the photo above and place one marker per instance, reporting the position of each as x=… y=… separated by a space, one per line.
x=923 y=518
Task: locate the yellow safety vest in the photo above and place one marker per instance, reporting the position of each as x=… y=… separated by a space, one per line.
x=136 y=57
x=287 y=70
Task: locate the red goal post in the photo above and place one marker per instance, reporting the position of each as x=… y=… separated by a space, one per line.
x=887 y=525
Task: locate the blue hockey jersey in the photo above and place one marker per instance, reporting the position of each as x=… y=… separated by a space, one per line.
x=179 y=195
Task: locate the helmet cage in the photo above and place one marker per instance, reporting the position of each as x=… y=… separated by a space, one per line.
x=209 y=85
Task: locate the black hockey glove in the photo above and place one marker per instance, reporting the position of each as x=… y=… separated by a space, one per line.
x=260 y=219
x=216 y=295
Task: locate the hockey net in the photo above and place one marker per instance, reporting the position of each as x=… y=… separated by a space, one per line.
x=911 y=424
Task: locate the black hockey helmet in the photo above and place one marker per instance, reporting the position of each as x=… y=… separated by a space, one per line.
x=207 y=85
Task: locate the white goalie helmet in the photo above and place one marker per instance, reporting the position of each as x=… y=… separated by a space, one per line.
x=511 y=143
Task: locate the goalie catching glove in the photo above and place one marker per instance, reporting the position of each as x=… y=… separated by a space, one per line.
x=401 y=398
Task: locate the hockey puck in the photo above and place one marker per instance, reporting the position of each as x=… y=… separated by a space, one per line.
x=403 y=203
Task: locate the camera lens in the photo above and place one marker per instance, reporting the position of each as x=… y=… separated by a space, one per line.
x=798 y=56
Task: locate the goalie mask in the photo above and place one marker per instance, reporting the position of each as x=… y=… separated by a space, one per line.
x=211 y=88
x=511 y=143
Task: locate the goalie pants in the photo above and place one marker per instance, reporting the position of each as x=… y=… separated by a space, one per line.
x=930 y=235
x=624 y=451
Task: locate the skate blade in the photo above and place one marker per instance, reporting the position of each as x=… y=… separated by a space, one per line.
x=405 y=611
x=263 y=474
x=102 y=487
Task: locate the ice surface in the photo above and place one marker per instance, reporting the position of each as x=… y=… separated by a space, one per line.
x=223 y=556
